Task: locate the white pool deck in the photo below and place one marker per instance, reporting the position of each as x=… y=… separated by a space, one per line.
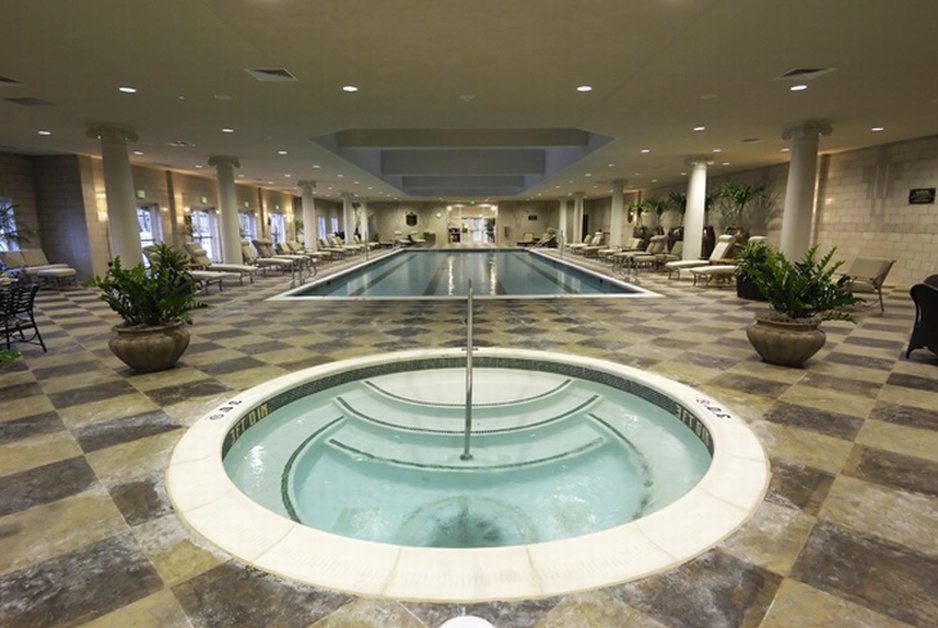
x=207 y=500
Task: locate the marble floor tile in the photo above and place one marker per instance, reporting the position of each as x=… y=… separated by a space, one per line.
x=44 y=484
x=872 y=573
x=798 y=605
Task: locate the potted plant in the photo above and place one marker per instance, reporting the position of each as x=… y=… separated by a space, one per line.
x=154 y=304
x=734 y=200
x=801 y=296
x=751 y=254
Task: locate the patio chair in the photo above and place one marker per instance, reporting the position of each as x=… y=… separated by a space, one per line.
x=527 y=239
x=37 y=267
x=16 y=307
x=203 y=278
x=265 y=263
x=925 y=330
x=866 y=276
x=722 y=252
x=657 y=246
x=201 y=261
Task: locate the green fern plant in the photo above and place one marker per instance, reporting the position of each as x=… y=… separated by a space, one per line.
x=150 y=297
x=800 y=290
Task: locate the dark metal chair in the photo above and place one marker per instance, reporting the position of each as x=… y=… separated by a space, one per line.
x=925 y=330
x=16 y=307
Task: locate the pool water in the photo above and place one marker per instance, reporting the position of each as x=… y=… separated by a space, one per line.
x=446 y=273
x=554 y=457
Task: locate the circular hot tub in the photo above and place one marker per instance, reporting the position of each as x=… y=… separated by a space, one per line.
x=354 y=475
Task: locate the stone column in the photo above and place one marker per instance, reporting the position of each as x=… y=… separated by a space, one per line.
x=347 y=225
x=562 y=227
x=578 y=217
x=694 y=217
x=123 y=228
x=228 y=207
x=310 y=224
x=617 y=213
x=800 y=189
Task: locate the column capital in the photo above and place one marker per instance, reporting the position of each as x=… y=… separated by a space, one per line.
x=307 y=183
x=698 y=160
x=809 y=129
x=618 y=185
x=224 y=161
x=112 y=133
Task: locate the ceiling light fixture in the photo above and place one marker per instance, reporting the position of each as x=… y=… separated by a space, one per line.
x=281 y=152
x=227 y=130
x=877 y=129
x=44 y=132
x=700 y=128
x=798 y=88
x=127 y=89
x=645 y=151
x=349 y=88
x=584 y=88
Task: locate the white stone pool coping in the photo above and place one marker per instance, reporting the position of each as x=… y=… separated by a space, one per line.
x=207 y=500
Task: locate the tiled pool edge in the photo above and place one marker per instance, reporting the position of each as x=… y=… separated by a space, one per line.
x=206 y=500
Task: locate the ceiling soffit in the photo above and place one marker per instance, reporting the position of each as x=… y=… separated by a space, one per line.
x=457 y=163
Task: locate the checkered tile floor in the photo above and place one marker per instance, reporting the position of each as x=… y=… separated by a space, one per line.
x=846 y=535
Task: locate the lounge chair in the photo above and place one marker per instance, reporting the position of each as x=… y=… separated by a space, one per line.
x=264 y=263
x=588 y=240
x=301 y=263
x=595 y=246
x=294 y=248
x=722 y=253
x=201 y=261
x=203 y=278
x=527 y=239
x=632 y=261
x=925 y=330
x=867 y=274
x=37 y=267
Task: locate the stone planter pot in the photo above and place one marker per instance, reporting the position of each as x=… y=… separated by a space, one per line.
x=147 y=349
x=785 y=342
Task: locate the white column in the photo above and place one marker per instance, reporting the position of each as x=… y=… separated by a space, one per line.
x=346 y=217
x=696 y=200
x=800 y=190
x=562 y=227
x=578 y=217
x=228 y=207
x=617 y=213
x=310 y=223
x=123 y=229
x=364 y=222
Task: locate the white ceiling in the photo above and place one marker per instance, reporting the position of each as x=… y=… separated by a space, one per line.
x=429 y=70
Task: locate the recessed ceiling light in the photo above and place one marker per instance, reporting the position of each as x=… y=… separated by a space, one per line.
x=877 y=129
x=138 y=152
x=44 y=132
x=199 y=166
x=798 y=88
x=281 y=152
x=646 y=150
x=700 y=128
x=227 y=130
x=316 y=166
x=786 y=149
x=584 y=88
x=349 y=88
x=127 y=89
x=718 y=150
x=726 y=163
x=588 y=174
x=222 y=97
x=287 y=175
x=340 y=175
x=708 y=97
x=611 y=165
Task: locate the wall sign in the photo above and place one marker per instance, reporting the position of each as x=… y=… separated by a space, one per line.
x=921 y=196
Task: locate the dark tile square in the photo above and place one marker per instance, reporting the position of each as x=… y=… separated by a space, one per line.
x=20 y=391
x=141 y=500
x=101 y=435
x=823 y=421
x=750 y=385
x=230 y=366
x=89 y=394
x=860 y=360
x=905 y=415
x=189 y=390
x=34 y=425
x=72 y=368
x=41 y=485
x=929 y=384
x=714 y=589
x=907 y=473
x=237 y=595
x=798 y=486
x=78 y=586
x=888 y=578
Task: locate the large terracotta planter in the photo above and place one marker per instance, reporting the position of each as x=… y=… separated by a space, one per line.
x=785 y=342
x=147 y=349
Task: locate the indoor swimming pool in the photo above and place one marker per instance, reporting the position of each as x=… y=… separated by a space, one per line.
x=440 y=274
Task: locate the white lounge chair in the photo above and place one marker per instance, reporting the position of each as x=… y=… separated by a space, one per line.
x=200 y=259
x=721 y=252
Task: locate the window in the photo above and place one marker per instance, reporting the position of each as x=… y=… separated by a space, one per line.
x=247 y=226
x=321 y=225
x=205 y=230
x=278 y=229
x=335 y=225
x=151 y=229
x=7 y=226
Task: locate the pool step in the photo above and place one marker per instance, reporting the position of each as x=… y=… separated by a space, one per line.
x=381 y=407
x=361 y=442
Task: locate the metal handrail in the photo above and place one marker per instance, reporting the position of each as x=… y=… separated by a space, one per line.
x=468 y=427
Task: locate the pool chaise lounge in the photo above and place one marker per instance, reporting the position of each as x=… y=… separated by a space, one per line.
x=721 y=252
x=200 y=258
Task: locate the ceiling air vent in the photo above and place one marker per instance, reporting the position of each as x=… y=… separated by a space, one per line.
x=29 y=101
x=7 y=82
x=803 y=74
x=271 y=74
